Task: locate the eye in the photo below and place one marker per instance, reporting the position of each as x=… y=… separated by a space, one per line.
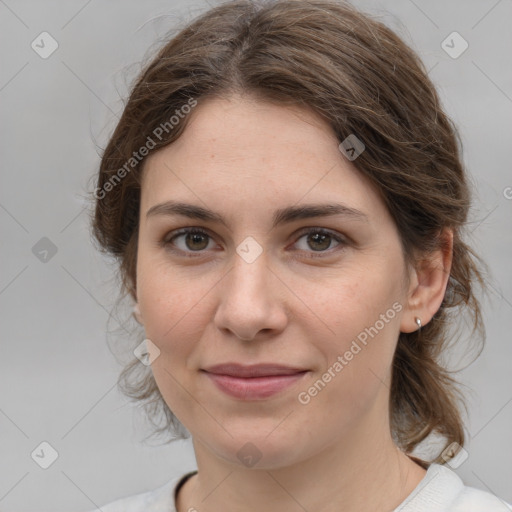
x=190 y=240
x=318 y=240
x=196 y=240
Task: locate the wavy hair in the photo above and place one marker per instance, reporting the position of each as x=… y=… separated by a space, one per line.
x=363 y=79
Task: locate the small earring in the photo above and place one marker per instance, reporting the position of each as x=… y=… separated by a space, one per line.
x=418 y=322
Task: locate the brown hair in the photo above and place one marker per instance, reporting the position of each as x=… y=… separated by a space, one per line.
x=364 y=80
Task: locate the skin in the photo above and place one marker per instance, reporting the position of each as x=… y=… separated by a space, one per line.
x=243 y=158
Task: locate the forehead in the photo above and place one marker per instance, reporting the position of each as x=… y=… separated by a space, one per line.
x=245 y=129
x=247 y=151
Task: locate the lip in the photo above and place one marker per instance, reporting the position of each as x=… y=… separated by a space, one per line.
x=253 y=382
x=253 y=370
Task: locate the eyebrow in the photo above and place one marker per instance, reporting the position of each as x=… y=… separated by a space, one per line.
x=280 y=217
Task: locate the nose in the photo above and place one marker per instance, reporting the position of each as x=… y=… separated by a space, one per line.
x=251 y=300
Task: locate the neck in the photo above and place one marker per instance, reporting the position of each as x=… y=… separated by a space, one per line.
x=363 y=471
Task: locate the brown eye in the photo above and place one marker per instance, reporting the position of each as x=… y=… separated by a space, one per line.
x=318 y=240
x=188 y=240
x=196 y=241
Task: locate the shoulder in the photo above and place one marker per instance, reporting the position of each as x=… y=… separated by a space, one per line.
x=160 y=499
x=442 y=490
x=476 y=500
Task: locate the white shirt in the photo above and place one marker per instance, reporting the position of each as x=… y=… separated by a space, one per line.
x=440 y=490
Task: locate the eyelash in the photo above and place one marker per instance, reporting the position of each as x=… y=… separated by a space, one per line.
x=167 y=242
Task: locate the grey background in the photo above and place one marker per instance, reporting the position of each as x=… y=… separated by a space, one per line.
x=57 y=374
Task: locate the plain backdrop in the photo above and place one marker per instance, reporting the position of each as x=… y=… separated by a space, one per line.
x=57 y=374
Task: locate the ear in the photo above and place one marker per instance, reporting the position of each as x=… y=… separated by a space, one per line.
x=428 y=281
x=137 y=313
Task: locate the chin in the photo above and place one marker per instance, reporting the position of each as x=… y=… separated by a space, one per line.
x=254 y=448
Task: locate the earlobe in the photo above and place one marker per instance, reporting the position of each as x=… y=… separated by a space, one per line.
x=428 y=285
x=137 y=313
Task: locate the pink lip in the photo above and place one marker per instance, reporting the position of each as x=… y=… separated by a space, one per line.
x=253 y=370
x=255 y=381
x=253 y=388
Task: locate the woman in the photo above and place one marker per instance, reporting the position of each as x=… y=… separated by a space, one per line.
x=286 y=199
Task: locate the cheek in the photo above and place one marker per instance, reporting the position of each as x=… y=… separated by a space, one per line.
x=355 y=377
x=171 y=314
x=175 y=306
x=353 y=301
x=174 y=311
x=363 y=314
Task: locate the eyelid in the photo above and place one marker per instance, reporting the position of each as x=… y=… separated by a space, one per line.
x=169 y=237
x=342 y=241
x=313 y=229
x=183 y=231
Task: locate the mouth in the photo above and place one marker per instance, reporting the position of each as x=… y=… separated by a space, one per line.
x=254 y=382
x=254 y=370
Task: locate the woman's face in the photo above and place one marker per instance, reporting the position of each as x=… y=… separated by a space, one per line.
x=265 y=286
